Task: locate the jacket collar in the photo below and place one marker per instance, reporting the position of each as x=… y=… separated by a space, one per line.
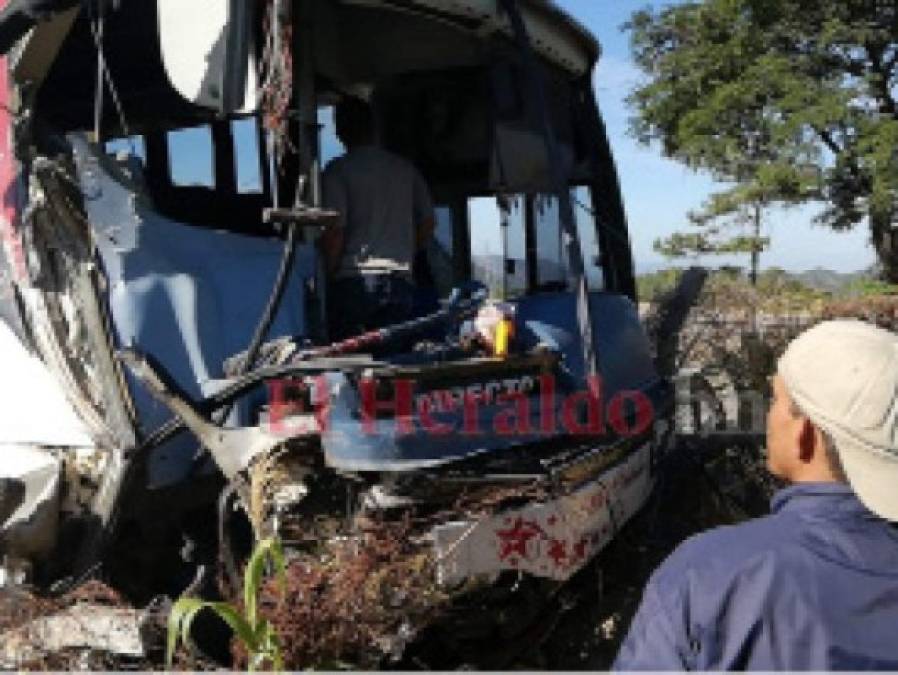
x=821 y=499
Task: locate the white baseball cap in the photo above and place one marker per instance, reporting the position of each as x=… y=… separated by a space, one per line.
x=844 y=375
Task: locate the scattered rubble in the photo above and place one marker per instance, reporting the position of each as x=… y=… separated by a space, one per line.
x=81 y=627
x=356 y=600
x=92 y=627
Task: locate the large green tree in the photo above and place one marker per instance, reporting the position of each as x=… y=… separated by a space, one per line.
x=789 y=101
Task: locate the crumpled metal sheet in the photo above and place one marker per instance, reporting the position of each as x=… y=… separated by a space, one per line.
x=553 y=539
x=12 y=496
x=86 y=626
x=30 y=529
x=188 y=295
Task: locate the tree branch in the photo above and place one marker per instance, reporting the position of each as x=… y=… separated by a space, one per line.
x=827 y=139
x=884 y=75
x=891 y=63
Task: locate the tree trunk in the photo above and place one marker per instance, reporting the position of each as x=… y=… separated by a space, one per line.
x=885 y=242
x=756 y=245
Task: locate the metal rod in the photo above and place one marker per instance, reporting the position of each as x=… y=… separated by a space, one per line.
x=532 y=259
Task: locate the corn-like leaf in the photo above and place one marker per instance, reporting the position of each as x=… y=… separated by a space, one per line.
x=264 y=632
x=241 y=627
x=257 y=636
x=184 y=612
x=181 y=613
x=255 y=661
x=280 y=567
x=269 y=645
x=275 y=650
x=255 y=569
x=187 y=620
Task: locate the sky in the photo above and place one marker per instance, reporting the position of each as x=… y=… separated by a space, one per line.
x=658 y=193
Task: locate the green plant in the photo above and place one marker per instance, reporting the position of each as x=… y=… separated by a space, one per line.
x=255 y=633
x=783 y=102
x=870 y=287
x=652 y=286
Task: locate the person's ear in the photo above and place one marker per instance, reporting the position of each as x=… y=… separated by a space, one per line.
x=807 y=441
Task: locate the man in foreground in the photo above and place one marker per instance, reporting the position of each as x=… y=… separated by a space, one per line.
x=386 y=216
x=815 y=584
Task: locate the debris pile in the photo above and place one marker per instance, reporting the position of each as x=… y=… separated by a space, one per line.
x=355 y=599
x=359 y=592
x=92 y=627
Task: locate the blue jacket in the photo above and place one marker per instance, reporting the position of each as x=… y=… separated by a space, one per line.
x=812 y=586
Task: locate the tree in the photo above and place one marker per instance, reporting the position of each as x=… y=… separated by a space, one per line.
x=790 y=101
x=721 y=209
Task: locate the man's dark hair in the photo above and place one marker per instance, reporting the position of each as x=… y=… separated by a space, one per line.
x=355 y=122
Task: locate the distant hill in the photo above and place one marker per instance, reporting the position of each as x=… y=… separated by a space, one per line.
x=822 y=279
x=489 y=269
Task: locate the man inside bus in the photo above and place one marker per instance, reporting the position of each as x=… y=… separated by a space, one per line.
x=814 y=585
x=386 y=217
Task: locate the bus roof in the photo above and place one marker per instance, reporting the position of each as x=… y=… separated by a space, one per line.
x=555 y=34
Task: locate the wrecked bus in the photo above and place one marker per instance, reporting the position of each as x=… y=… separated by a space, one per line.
x=171 y=384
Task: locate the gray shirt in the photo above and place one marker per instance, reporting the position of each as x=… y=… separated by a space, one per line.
x=382 y=199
